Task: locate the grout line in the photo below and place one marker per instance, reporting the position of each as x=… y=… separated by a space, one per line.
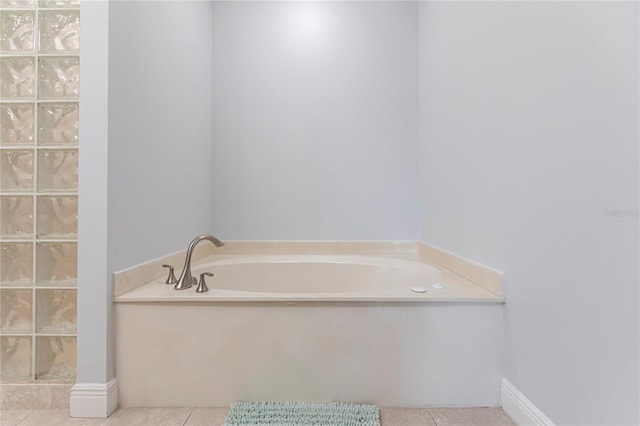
x=22 y=421
x=36 y=141
x=188 y=417
x=433 y=418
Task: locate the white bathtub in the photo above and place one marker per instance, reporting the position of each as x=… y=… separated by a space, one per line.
x=319 y=274
x=356 y=332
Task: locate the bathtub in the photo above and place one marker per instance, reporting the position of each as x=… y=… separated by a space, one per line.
x=315 y=278
x=311 y=327
x=320 y=275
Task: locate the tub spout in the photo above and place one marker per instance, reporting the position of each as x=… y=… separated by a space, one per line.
x=186 y=280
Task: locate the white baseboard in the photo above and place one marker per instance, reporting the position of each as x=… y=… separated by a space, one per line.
x=519 y=408
x=93 y=399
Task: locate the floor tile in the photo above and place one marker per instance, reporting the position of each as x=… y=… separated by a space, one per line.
x=406 y=417
x=29 y=396
x=13 y=417
x=217 y=416
x=471 y=417
x=57 y=417
x=149 y=416
x=207 y=417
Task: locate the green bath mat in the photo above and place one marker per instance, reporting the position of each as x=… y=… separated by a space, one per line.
x=245 y=413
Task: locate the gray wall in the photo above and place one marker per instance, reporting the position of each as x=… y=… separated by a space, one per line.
x=315 y=120
x=95 y=328
x=528 y=134
x=159 y=127
x=159 y=134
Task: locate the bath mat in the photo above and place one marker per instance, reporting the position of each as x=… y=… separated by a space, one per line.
x=245 y=413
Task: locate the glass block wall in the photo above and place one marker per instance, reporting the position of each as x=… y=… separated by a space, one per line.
x=39 y=60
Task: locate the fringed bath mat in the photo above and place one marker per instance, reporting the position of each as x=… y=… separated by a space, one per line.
x=302 y=413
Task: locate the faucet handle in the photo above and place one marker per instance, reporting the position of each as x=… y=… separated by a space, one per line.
x=202 y=285
x=171 y=279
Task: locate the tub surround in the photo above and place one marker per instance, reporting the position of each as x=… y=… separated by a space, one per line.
x=466 y=281
x=488 y=278
x=387 y=347
x=300 y=278
x=131 y=278
x=387 y=353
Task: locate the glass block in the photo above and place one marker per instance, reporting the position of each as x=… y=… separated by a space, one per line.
x=57 y=170
x=56 y=264
x=16 y=217
x=56 y=311
x=18 y=77
x=16 y=124
x=59 y=30
x=58 y=124
x=56 y=358
x=15 y=358
x=59 y=77
x=17 y=4
x=59 y=3
x=16 y=264
x=16 y=167
x=16 y=311
x=16 y=31
x=57 y=217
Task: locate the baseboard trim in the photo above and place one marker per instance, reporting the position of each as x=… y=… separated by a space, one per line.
x=519 y=408
x=93 y=399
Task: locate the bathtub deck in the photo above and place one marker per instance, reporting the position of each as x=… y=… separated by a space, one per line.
x=157 y=292
x=458 y=289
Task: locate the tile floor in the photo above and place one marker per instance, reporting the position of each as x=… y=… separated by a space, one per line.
x=216 y=416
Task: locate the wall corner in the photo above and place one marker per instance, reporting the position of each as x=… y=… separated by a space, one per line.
x=519 y=408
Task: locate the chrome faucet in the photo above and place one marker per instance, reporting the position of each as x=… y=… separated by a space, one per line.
x=186 y=280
